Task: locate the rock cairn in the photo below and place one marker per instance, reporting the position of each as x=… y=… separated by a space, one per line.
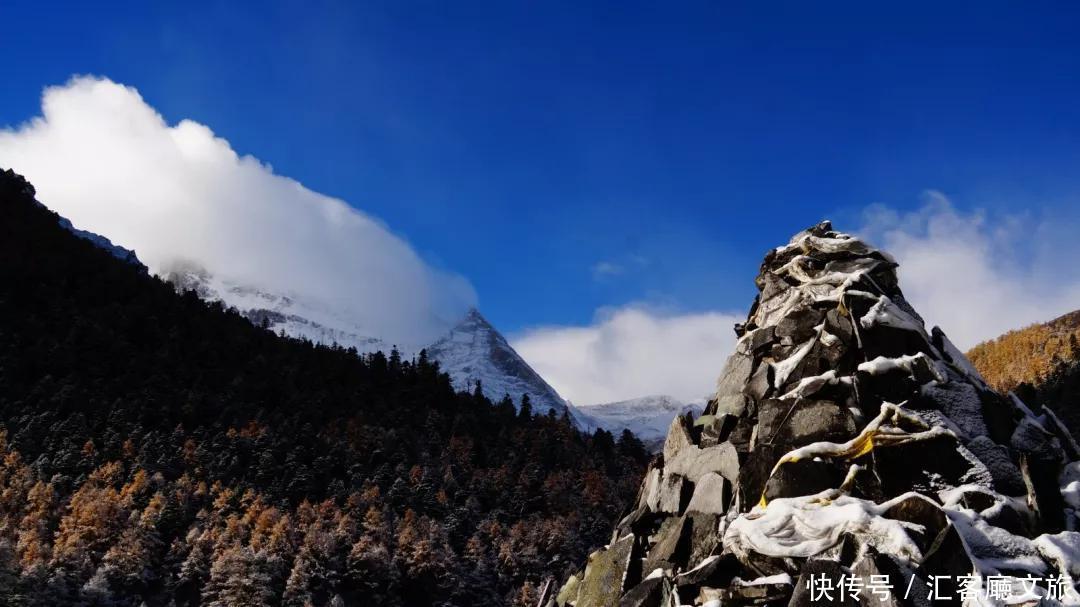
x=849 y=456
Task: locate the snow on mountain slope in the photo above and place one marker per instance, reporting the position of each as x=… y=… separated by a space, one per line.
x=100 y=241
x=648 y=417
x=474 y=350
x=295 y=315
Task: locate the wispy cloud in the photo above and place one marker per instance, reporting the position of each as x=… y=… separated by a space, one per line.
x=101 y=156
x=606 y=269
x=620 y=265
x=632 y=351
x=977 y=274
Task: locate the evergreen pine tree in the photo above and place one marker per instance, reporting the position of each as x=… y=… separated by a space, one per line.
x=525 y=413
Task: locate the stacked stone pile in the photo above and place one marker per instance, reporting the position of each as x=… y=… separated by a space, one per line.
x=846 y=441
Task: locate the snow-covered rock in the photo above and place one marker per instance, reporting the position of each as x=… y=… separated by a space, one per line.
x=846 y=440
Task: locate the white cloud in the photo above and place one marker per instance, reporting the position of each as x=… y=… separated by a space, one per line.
x=606 y=269
x=105 y=159
x=977 y=275
x=631 y=352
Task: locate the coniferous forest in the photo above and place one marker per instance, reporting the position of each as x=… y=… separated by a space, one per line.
x=156 y=449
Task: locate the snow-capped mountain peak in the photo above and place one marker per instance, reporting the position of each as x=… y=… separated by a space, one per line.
x=474 y=350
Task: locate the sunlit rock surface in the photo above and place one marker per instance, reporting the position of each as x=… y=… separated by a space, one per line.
x=846 y=440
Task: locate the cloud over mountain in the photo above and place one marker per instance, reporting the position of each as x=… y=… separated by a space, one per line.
x=104 y=158
x=632 y=351
x=978 y=274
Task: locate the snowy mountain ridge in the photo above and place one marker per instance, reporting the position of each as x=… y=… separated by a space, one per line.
x=295 y=315
x=98 y=240
x=472 y=350
x=648 y=417
x=101 y=242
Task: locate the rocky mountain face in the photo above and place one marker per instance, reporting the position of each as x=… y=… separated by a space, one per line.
x=475 y=351
x=647 y=417
x=850 y=456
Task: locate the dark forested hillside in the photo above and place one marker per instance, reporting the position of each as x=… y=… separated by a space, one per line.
x=159 y=449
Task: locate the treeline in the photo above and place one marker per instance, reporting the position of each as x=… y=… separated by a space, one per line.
x=162 y=450
x=1041 y=363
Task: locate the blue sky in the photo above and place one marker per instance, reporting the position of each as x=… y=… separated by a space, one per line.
x=522 y=144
